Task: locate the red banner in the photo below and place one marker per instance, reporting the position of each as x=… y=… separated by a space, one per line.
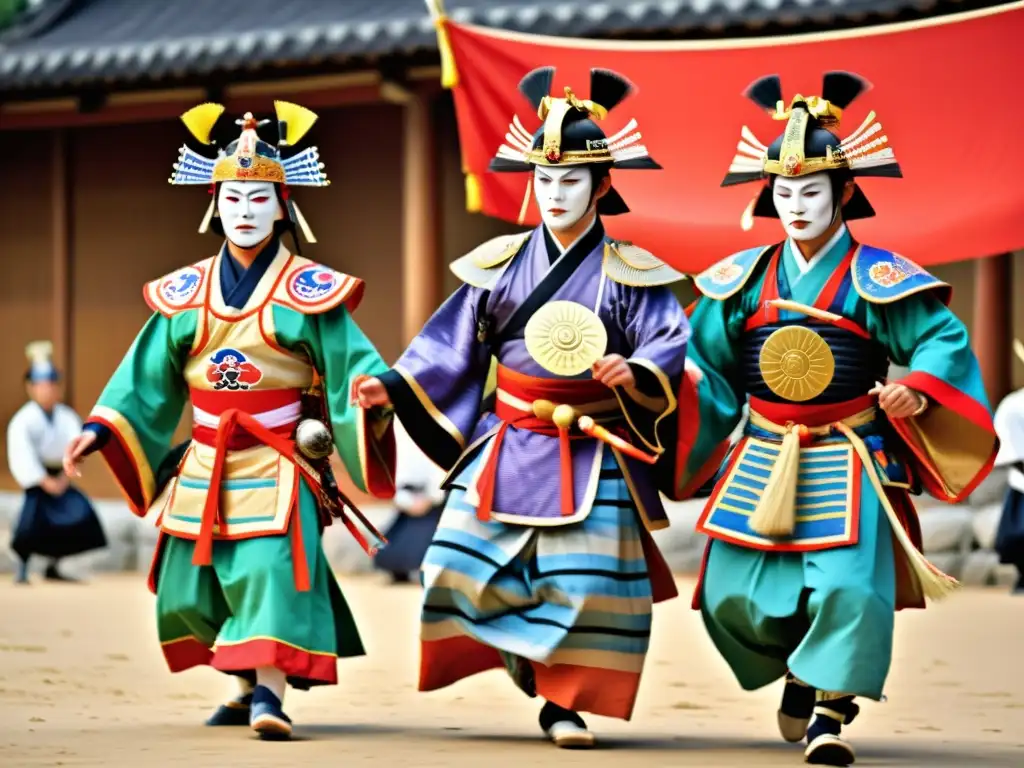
x=946 y=91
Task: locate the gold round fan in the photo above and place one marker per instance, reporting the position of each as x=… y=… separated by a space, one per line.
x=565 y=338
x=796 y=363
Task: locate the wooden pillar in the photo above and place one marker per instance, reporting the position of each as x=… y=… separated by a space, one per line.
x=60 y=188
x=421 y=283
x=991 y=333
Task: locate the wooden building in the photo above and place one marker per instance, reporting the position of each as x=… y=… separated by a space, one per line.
x=90 y=91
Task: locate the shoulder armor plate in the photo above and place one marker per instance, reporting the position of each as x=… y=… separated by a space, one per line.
x=727 y=277
x=312 y=288
x=628 y=264
x=883 y=277
x=483 y=265
x=181 y=290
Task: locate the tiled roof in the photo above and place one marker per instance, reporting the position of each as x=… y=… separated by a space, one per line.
x=68 y=43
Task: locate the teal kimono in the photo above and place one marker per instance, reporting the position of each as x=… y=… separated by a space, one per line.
x=817 y=596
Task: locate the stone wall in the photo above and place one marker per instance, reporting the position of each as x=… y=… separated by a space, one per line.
x=958 y=539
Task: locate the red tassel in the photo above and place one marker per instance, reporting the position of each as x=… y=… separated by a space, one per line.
x=203 y=553
x=489 y=477
x=300 y=569
x=235 y=419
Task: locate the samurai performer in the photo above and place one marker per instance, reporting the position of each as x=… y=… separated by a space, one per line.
x=1010 y=428
x=419 y=498
x=263 y=344
x=56 y=519
x=543 y=562
x=814 y=542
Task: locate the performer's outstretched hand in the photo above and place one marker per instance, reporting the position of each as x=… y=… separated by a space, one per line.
x=370 y=391
x=613 y=371
x=73 y=453
x=899 y=401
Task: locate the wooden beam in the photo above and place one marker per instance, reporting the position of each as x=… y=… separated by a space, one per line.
x=66 y=105
x=425 y=73
x=315 y=100
x=295 y=85
x=60 y=225
x=167 y=96
x=396 y=93
x=990 y=336
x=155 y=106
x=420 y=231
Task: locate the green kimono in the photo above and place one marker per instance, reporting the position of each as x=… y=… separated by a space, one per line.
x=240 y=575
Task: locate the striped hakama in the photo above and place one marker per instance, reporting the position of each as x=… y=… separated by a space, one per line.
x=575 y=600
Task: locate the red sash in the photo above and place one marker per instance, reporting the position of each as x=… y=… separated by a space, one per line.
x=238 y=429
x=578 y=393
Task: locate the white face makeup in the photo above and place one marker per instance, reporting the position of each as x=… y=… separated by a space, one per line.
x=248 y=210
x=563 y=195
x=804 y=205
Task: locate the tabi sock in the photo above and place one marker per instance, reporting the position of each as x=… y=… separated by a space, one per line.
x=551 y=713
x=798 y=698
x=273 y=679
x=243 y=689
x=830 y=715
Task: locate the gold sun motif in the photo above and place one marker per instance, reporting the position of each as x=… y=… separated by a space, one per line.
x=565 y=338
x=796 y=363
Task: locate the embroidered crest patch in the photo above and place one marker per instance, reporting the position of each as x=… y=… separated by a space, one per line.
x=890 y=273
x=232 y=371
x=724 y=278
x=313 y=284
x=723 y=274
x=178 y=289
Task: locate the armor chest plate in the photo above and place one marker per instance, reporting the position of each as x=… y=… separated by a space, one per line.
x=812 y=363
x=238 y=354
x=237 y=364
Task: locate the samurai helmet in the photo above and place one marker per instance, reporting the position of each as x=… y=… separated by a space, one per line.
x=570 y=135
x=809 y=143
x=250 y=158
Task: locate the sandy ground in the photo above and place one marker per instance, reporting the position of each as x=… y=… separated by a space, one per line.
x=82 y=682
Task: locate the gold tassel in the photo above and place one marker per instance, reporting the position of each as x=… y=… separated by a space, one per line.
x=526 y=199
x=301 y=221
x=449 y=74
x=204 y=225
x=934 y=583
x=776 y=511
x=473 y=201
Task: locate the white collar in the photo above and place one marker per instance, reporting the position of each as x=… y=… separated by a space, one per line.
x=583 y=234
x=806 y=265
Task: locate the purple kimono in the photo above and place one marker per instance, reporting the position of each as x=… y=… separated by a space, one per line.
x=438 y=385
